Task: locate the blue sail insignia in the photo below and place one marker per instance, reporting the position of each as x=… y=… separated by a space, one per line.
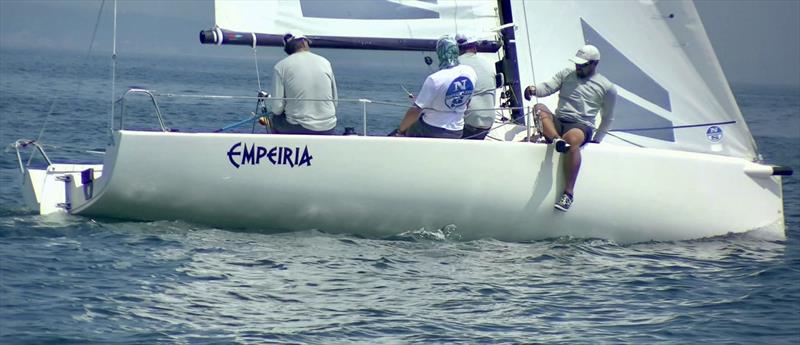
x=714 y=134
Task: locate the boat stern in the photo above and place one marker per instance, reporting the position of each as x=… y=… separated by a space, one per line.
x=46 y=188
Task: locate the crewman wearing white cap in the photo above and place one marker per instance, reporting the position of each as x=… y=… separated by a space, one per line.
x=583 y=94
x=479 y=118
x=303 y=75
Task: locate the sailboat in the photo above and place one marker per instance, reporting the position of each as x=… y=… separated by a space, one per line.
x=680 y=162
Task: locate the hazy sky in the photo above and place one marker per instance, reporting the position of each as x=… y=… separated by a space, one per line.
x=757 y=42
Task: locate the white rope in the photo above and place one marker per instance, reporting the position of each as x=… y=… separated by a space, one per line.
x=255 y=57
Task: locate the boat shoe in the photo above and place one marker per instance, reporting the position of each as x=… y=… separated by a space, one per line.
x=564 y=203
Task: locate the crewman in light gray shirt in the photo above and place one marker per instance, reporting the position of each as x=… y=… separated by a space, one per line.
x=479 y=118
x=303 y=75
x=583 y=94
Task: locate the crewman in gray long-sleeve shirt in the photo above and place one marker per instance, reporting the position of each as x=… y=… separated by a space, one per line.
x=303 y=75
x=583 y=94
x=479 y=118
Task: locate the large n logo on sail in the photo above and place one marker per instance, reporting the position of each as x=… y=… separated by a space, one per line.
x=374 y=9
x=623 y=72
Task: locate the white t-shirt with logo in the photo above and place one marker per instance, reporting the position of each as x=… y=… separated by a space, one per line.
x=444 y=97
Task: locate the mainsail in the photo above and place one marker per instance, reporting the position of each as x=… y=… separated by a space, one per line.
x=381 y=24
x=672 y=91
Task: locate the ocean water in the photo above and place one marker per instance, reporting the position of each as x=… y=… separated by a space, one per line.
x=74 y=280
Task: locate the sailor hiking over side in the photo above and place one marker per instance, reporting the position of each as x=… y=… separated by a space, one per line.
x=583 y=94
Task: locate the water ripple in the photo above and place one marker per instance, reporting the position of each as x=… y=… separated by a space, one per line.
x=74 y=280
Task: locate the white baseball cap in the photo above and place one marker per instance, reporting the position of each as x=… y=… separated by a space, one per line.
x=293 y=35
x=585 y=54
x=464 y=39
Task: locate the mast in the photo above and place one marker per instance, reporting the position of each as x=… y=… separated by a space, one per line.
x=508 y=66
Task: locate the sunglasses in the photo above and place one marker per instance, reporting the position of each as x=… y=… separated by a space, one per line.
x=584 y=65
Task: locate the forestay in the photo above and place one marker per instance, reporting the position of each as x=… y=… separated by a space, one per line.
x=672 y=91
x=352 y=23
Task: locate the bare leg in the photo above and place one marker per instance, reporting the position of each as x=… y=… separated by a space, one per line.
x=548 y=127
x=412 y=115
x=572 y=163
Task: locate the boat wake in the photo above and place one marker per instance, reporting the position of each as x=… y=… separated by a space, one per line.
x=447 y=233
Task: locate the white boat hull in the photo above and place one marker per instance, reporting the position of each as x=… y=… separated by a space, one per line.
x=380 y=186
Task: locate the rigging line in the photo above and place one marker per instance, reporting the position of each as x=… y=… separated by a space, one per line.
x=113 y=74
x=422 y=53
x=408 y=93
x=88 y=53
x=455 y=15
x=96 y=25
x=530 y=54
x=673 y=127
x=70 y=148
x=625 y=140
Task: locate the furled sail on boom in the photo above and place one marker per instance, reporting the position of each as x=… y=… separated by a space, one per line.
x=381 y=24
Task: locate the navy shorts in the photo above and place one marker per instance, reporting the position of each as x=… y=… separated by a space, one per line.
x=564 y=125
x=422 y=129
x=281 y=126
x=474 y=133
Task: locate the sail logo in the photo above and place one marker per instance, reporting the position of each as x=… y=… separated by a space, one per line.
x=714 y=134
x=242 y=154
x=458 y=93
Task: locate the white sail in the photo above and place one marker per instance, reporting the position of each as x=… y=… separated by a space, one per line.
x=672 y=91
x=386 y=19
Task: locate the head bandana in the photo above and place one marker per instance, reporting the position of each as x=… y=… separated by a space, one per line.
x=447 y=51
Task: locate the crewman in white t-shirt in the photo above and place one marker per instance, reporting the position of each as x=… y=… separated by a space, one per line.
x=438 y=110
